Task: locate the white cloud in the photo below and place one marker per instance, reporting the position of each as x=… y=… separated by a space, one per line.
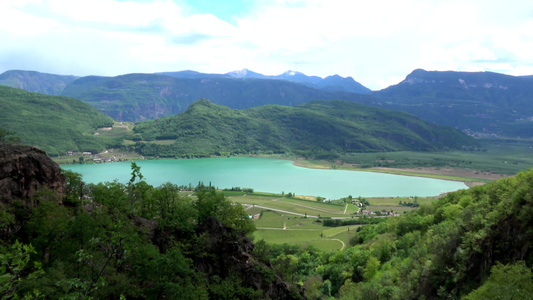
x=376 y=42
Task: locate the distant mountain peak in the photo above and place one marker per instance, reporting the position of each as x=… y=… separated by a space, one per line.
x=291 y=73
x=239 y=73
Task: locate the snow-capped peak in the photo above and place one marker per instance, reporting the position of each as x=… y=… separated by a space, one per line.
x=239 y=73
x=290 y=73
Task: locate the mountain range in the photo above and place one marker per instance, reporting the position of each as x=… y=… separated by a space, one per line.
x=330 y=83
x=138 y=97
x=482 y=104
x=314 y=129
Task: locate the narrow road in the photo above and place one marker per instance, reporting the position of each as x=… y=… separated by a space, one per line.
x=296 y=214
x=286 y=212
x=343 y=245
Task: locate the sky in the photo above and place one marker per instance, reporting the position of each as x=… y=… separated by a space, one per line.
x=378 y=42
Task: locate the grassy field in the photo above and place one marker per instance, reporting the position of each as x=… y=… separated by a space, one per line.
x=283 y=220
x=275 y=227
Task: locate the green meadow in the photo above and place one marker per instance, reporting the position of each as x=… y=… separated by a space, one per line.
x=284 y=220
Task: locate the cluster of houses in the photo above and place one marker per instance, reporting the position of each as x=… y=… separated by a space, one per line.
x=386 y=213
x=367 y=212
x=98 y=158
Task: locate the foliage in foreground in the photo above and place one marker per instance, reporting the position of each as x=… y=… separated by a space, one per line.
x=472 y=244
x=131 y=240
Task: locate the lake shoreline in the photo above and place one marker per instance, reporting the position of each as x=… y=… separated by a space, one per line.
x=435 y=173
x=470 y=178
x=252 y=174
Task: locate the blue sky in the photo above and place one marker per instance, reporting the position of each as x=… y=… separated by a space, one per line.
x=376 y=42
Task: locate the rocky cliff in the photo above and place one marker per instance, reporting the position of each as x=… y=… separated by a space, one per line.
x=25 y=169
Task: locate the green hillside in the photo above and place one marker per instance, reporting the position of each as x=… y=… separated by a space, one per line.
x=54 y=123
x=482 y=103
x=139 y=97
x=317 y=128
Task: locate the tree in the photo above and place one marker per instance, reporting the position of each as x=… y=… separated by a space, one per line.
x=8 y=137
x=14 y=266
x=506 y=282
x=75 y=186
x=372 y=267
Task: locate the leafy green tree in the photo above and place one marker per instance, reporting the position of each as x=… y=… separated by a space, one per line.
x=506 y=282
x=371 y=268
x=326 y=288
x=15 y=267
x=76 y=189
x=7 y=136
x=312 y=287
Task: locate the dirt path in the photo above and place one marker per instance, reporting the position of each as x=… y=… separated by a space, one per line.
x=286 y=212
x=343 y=245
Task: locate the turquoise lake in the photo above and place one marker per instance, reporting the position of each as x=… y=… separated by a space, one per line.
x=269 y=175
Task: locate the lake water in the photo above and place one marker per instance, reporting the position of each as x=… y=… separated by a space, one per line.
x=268 y=175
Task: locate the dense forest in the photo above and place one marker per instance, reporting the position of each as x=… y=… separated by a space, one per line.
x=134 y=240
x=313 y=129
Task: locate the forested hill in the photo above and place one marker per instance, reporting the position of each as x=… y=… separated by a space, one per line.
x=56 y=124
x=138 y=97
x=484 y=103
x=49 y=84
x=470 y=244
x=308 y=129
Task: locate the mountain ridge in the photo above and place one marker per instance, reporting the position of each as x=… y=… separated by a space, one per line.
x=309 y=129
x=138 y=97
x=481 y=103
x=33 y=81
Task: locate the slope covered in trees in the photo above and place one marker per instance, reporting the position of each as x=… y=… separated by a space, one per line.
x=310 y=129
x=56 y=124
x=446 y=249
